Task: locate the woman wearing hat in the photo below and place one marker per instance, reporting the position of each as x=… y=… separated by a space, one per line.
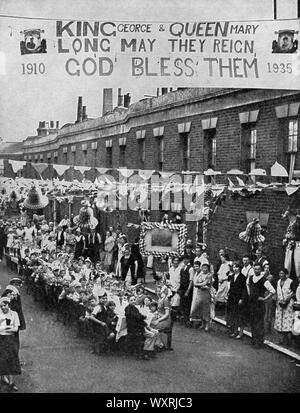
x=9 y=349
x=200 y=309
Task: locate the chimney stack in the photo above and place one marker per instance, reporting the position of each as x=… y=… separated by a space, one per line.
x=79 y=110
x=84 y=115
x=120 y=97
x=107 y=100
x=127 y=99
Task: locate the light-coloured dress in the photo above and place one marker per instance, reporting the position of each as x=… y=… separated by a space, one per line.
x=200 y=308
x=108 y=246
x=296 y=323
x=223 y=283
x=284 y=316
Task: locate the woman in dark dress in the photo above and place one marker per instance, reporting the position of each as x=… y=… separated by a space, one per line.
x=9 y=348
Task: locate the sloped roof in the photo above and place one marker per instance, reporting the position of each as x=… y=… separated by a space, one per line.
x=11 y=147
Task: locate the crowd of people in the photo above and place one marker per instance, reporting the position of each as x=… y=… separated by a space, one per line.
x=97 y=285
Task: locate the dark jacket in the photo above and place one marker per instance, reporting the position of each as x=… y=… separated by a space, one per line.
x=237 y=289
x=60 y=239
x=135 y=320
x=184 y=279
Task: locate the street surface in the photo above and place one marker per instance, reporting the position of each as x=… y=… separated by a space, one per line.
x=56 y=362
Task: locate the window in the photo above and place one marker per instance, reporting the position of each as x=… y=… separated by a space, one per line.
x=122 y=155
x=158 y=133
x=140 y=136
x=94 y=146
x=248 y=147
x=73 y=148
x=210 y=149
x=160 y=153
x=122 y=146
x=55 y=155
x=142 y=152
x=109 y=157
x=186 y=151
x=252 y=148
x=84 y=147
x=293 y=135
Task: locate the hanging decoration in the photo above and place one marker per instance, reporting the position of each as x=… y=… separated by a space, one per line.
x=252 y=235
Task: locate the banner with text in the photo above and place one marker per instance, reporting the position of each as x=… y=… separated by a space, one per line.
x=262 y=54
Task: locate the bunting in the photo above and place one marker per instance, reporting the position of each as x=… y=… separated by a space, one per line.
x=17 y=165
x=61 y=169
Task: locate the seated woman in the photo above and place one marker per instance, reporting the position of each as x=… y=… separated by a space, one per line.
x=9 y=347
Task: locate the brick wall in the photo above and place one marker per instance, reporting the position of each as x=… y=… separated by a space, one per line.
x=228 y=136
x=230 y=219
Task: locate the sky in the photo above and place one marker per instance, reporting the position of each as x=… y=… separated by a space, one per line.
x=27 y=99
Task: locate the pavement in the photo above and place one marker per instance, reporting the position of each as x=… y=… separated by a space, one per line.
x=56 y=362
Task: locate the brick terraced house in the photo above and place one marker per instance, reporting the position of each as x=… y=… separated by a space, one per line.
x=189 y=129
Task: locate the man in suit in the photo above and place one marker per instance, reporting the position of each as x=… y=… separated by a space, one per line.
x=135 y=327
x=93 y=245
x=235 y=304
x=60 y=237
x=259 y=290
x=186 y=289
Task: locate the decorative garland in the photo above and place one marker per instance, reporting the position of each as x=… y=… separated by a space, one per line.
x=180 y=228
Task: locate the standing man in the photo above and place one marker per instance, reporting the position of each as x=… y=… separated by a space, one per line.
x=93 y=246
x=60 y=237
x=186 y=289
x=247 y=269
x=174 y=281
x=259 y=290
